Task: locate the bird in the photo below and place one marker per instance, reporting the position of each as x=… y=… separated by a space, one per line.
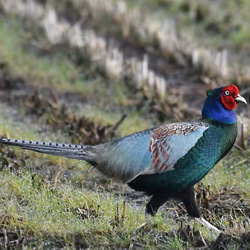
x=165 y=162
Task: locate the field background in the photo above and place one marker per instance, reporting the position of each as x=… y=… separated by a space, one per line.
x=89 y=71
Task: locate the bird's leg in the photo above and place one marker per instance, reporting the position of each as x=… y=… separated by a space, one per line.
x=156 y=201
x=187 y=197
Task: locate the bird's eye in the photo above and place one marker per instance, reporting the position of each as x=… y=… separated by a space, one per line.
x=227 y=92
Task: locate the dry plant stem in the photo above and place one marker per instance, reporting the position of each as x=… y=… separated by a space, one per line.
x=202 y=239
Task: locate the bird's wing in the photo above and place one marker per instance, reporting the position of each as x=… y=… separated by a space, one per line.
x=126 y=157
x=150 y=151
x=171 y=142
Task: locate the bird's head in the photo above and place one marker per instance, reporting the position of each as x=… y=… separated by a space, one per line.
x=220 y=103
x=229 y=96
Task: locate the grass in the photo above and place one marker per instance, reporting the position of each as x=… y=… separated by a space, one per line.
x=59 y=73
x=50 y=202
x=218 y=24
x=54 y=69
x=31 y=199
x=33 y=204
x=62 y=210
x=230 y=170
x=38 y=209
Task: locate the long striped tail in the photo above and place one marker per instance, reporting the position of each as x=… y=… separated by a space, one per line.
x=71 y=151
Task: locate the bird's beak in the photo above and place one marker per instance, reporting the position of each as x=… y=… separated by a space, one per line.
x=240 y=98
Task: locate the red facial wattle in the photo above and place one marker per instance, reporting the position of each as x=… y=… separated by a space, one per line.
x=228 y=95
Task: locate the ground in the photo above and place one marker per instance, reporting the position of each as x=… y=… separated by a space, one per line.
x=60 y=91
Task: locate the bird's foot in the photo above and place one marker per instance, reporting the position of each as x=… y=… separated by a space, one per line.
x=141 y=226
x=208 y=224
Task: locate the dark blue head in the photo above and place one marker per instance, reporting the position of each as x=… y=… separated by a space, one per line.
x=220 y=103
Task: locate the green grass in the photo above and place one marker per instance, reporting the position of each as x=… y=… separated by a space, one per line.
x=59 y=73
x=217 y=24
x=58 y=202
x=33 y=203
x=38 y=208
x=61 y=210
x=232 y=171
x=52 y=209
x=54 y=69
